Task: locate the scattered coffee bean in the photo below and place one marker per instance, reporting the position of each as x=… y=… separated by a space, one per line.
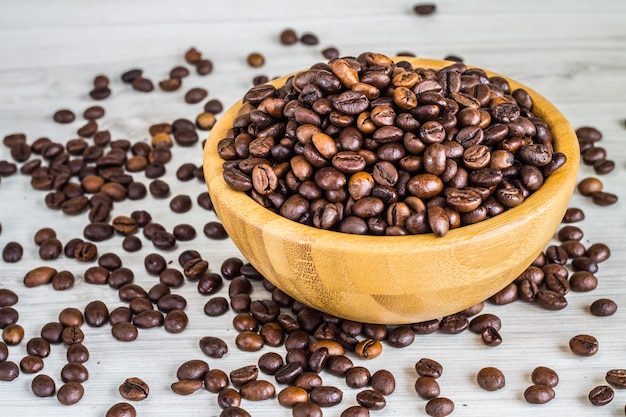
x=428 y=367
x=213 y=347
x=288 y=37
x=490 y=379
x=539 y=394
x=121 y=410
x=43 y=386
x=309 y=39
x=255 y=59
x=601 y=395
x=326 y=396
x=603 y=307
x=70 y=393
x=439 y=407
x=427 y=387
x=64 y=116
x=584 y=345
x=544 y=376
x=134 y=389
x=195 y=95
x=12 y=252
x=186 y=386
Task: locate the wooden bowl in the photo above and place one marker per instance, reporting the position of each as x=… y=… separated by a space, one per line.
x=396 y=279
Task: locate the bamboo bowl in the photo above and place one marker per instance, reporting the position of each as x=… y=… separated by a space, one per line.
x=396 y=279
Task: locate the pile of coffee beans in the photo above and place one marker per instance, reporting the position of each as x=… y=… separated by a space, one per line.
x=365 y=145
x=295 y=346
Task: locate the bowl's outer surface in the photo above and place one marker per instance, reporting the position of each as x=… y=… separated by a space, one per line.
x=400 y=279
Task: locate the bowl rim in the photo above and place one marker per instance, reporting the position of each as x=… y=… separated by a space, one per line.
x=565 y=141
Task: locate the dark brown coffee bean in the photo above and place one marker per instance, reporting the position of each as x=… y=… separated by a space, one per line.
x=215 y=230
x=98 y=231
x=326 y=396
x=551 y=300
x=427 y=387
x=428 y=367
x=424 y=9
x=43 y=386
x=52 y=332
x=539 y=394
x=544 y=376
x=584 y=345
x=371 y=399
x=96 y=314
x=243 y=375
x=7 y=297
x=602 y=198
x=180 y=204
x=249 y=341
x=213 y=347
x=12 y=334
x=75 y=372
x=64 y=116
x=195 y=95
x=12 y=252
x=8 y=316
x=134 y=389
x=573 y=215
x=400 y=336
x=70 y=393
x=38 y=346
x=601 y=395
x=176 y=321
x=85 y=251
x=383 y=382
x=439 y=407
x=603 y=307
x=124 y=332
x=490 y=379
x=309 y=39
x=453 y=324
x=142 y=84
x=186 y=386
x=491 y=337
x=483 y=321
x=257 y=390
x=357 y=377
x=31 y=364
x=77 y=352
x=121 y=410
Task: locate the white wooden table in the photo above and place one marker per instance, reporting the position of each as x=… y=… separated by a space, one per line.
x=574 y=53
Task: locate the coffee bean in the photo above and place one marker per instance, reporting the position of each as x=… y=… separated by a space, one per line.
x=428 y=367
x=400 y=336
x=439 y=407
x=288 y=37
x=371 y=399
x=616 y=377
x=603 y=307
x=75 y=372
x=326 y=396
x=195 y=95
x=424 y=9
x=583 y=281
x=539 y=394
x=43 y=386
x=309 y=39
x=368 y=349
x=180 y=204
x=8 y=315
x=38 y=346
x=64 y=116
x=31 y=364
x=121 y=410
x=257 y=390
x=52 y=332
x=551 y=300
x=71 y=335
x=12 y=252
x=12 y=334
x=544 y=376
x=427 y=387
x=490 y=379
x=602 y=198
x=213 y=347
x=7 y=297
x=215 y=380
x=584 y=345
x=601 y=395
x=573 y=215
x=383 y=382
x=134 y=389
x=8 y=371
x=453 y=324
x=70 y=393
x=124 y=332
x=186 y=386
x=215 y=230
x=176 y=321
x=77 y=353
x=192 y=369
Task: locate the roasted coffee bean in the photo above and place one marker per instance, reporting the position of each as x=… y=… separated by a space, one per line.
x=257 y=390
x=213 y=347
x=383 y=382
x=98 y=231
x=601 y=395
x=424 y=9
x=602 y=198
x=490 y=379
x=70 y=393
x=228 y=397
x=483 y=321
x=31 y=364
x=204 y=67
x=215 y=230
x=186 y=386
x=243 y=375
x=544 y=376
x=64 y=116
x=539 y=394
x=370 y=348
x=270 y=362
x=96 y=314
x=52 y=332
x=12 y=252
x=85 y=251
x=439 y=407
x=8 y=371
x=551 y=300
x=249 y=341
x=326 y=396
x=215 y=380
x=38 y=346
x=195 y=95
x=428 y=367
x=339 y=365
x=12 y=334
x=400 y=336
x=134 y=389
x=453 y=324
x=142 y=84
x=491 y=337
x=7 y=297
x=427 y=387
x=357 y=377
x=8 y=316
x=124 y=332
x=176 y=321
x=77 y=352
x=75 y=372
x=289 y=372
x=583 y=281
x=603 y=307
x=288 y=37
x=584 y=345
x=306 y=409
x=121 y=410
x=598 y=252
x=371 y=399
x=43 y=386
x=309 y=39
x=290 y=396
x=573 y=215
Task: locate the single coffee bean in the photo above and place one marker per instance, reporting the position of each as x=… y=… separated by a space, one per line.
x=7 y=297
x=8 y=371
x=249 y=341
x=12 y=252
x=215 y=230
x=75 y=372
x=601 y=395
x=603 y=307
x=424 y=9
x=288 y=37
x=326 y=396
x=77 y=352
x=258 y=390
x=357 y=377
x=38 y=346
x=243 y=375
x=195 y=95
x=8 y=316
x=309 y=39
x=290 y=396
x=544 y=376
x=383 y=382
x=70 y=393
x=124 y=332
x=439 y=407
x=371 y=399
x=43 y=386
x=186 y=386
x=12 y=334
x=215 y=380
x=573 y=215
x=490 y=379
x=31 y=364
x=551 y=300
x=52 y=332
x=228 y=397
x=176 y=321
x=401 y=336
x=479 y=323
x=306 y=409
x=616 y=377
x=427 y=387
x=121 y=410
x=583 y=281
x=539 y=394
x=368 y=349
x=134 y=389
x=213 y=347
x=584 y=345
x=64 y=116
x=428 y=367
